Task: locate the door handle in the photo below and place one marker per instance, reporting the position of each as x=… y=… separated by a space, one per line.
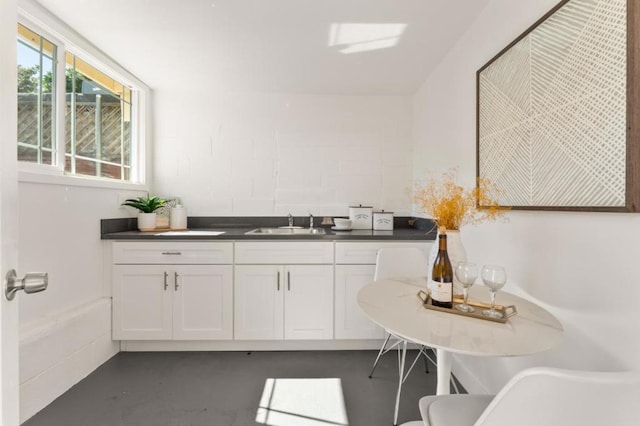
x=278 y=280
x=33 y=282
x=166 y=284
x=288 y=281
x=175 y=281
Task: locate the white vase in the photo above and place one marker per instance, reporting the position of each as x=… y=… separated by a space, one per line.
x=456 y=253
x=178 y=218
x=146 y=221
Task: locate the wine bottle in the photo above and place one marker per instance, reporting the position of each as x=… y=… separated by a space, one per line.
x=442 y=276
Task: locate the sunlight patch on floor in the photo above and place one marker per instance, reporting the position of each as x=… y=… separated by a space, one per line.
x=302 y=402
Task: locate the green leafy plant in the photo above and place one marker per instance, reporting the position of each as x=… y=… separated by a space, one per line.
x=145 y=204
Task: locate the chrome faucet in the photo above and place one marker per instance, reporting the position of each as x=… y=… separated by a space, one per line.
x=310 y=221
x=290 y=220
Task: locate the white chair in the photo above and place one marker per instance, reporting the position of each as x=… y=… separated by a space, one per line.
x=400 y=262
x=544 y=396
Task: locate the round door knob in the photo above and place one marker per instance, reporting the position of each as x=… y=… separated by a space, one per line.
x=33 y=282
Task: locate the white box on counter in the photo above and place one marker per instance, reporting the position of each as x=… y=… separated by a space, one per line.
x=361 y=217
x=383 y=221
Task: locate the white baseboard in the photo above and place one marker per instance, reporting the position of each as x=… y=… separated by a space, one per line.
x=57 y=353
x=248 y=345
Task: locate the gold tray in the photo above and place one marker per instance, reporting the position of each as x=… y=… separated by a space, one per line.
x=506 y=311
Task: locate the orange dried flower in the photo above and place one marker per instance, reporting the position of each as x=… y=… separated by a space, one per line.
x=453 y=206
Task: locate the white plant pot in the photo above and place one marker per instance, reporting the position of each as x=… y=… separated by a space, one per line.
x=146 y=221
x=456 y=253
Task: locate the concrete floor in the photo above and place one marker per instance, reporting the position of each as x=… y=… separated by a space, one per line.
x=225 y=388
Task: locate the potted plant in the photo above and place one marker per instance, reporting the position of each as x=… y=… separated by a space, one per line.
x=147 y=206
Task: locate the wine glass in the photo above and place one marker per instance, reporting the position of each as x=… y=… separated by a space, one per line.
x=495 y=278
x=466 y=273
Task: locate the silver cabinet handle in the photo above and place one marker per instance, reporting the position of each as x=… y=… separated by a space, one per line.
x=30 y=283
x=278 y=280
x=171 y=253
x=288 y=281
x=175 y=281
x=166 y=284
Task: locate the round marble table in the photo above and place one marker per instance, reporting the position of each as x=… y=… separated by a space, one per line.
x=395 y=306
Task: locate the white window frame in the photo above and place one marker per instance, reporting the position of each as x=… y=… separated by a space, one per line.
x=48 y=26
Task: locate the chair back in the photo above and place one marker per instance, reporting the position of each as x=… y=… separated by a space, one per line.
x=400 y=262
x=556 y=397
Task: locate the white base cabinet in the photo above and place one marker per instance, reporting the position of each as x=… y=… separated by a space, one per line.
x=175 y=300
x=351 y=323
x=283 y=290
x=258 y=302
x=202 y=302
x=355 y=268
x=179 y=302
x=283 y=302
x=261 y=291
x=141 y=303
x=308 y=302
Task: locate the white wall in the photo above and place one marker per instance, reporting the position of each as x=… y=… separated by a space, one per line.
x=270 y=154
x=65 y=331
x=60 y=234
x=580 y=266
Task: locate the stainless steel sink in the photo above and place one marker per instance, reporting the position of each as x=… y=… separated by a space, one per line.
x=286 y=231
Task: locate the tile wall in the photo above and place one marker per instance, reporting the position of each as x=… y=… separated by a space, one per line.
x=266 y=154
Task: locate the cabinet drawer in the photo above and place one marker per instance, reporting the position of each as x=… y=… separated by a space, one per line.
x=173 y=253
x=364 y=253
x=289 y=252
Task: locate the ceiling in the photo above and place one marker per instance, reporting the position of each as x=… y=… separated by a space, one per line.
x=302 y=46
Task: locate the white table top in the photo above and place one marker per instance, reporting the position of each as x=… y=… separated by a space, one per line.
x=394 y=305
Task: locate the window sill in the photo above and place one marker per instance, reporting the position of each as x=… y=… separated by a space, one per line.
x=29 y=176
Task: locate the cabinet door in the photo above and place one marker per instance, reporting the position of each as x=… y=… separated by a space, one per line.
x=141 y=302
x=351 y=323
x=202 y=302
x=308 y=306
x=258 y=302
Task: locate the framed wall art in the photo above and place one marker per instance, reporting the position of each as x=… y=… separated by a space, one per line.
x=558 y=111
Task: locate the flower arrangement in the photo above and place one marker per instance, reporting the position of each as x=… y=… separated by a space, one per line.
x=452 y=205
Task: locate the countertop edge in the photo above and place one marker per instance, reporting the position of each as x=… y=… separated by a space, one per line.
x=236 y=236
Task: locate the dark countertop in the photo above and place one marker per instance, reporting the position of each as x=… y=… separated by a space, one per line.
x=235 y=229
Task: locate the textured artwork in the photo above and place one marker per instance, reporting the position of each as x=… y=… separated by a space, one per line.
x=552 y=111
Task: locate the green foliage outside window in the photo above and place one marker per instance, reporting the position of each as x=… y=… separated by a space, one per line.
x=28 y=80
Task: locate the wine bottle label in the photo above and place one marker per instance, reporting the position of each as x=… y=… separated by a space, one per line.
x=441 y=292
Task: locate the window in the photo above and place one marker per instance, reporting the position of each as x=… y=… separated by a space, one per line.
x=74 y=117
x=36 y=98
x=98 y=123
